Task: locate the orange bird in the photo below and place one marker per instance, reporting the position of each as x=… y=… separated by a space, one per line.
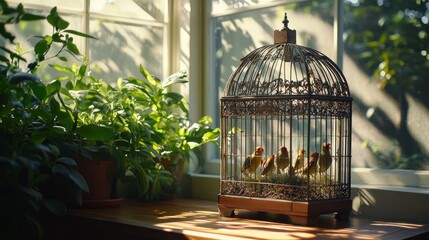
x=325 y=160
x=299 y=161
x=268 y=166
x=311 y=166
x=253 y=161
x=282 y=159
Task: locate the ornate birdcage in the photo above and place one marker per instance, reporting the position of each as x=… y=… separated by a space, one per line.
x=286 y=134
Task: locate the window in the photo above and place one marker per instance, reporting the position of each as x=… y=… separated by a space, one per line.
x=384 y=57
x=130 y=33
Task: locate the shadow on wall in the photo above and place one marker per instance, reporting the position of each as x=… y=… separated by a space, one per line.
x=390 y=205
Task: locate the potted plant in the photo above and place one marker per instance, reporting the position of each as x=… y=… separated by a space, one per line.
x=174 y=137
x=140 y=123
x=32 y=124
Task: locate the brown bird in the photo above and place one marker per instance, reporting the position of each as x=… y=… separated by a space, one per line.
x=325 y=160
x=253 y=161
x=282 y=159
x=311 y=166
x=268 y=166
x=299 y=161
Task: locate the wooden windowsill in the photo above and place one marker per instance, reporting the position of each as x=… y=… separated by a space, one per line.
x=199 y=219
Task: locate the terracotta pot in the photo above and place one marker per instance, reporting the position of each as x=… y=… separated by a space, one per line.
x=99 y=176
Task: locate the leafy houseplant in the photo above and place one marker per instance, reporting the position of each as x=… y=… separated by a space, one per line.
x=175 y=138
x=139 y=122
x=32 y=124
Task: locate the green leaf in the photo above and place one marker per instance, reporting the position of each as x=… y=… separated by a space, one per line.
x=73 y=48
x=79 y=33
x=205 y=120
x=62 y=24
x=54 y=106
x=61 y=68
x=211 y=136
x=64 y=59
x=79 y=180
x=32 y=17
x=67 y=161
x=193 y=145
x=41 y=47
x=61 y=169
x=38 y=89
x=95 y=132
x=148 y=76
x=66 y=93
x=53 y=17
x=175 y=97
x=82 y=70
x=54 y=148
x=153 y=151
x=48 y=39
x=53 y=87
x=179 y=77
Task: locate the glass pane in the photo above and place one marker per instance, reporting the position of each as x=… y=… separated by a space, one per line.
x=386 y=63
x=121 y=48
x=77 y=5
x=139 y=9
x=26 y=32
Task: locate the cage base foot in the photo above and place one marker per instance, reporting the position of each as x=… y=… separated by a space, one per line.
x=342 y=216
x=226 y=212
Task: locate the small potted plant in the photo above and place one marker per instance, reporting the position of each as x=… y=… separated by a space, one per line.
x=174 y=136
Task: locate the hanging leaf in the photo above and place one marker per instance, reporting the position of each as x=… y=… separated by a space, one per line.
x=79 y=33
x=179 y=77
x=73 y=48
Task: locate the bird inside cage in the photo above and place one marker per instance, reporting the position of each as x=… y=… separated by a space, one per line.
x=253 y=161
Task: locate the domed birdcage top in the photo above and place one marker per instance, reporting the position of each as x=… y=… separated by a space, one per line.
x=285 y=69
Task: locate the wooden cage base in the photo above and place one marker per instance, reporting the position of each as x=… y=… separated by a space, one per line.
x=300 y=213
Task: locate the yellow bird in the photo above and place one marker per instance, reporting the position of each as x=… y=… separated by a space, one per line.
x=299 y=161
x=311 y=166
x=268 y=166
x=282 y=159
x=253 y=161
x=325 y=160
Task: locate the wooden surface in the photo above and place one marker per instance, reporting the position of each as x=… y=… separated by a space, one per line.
x=197 y=219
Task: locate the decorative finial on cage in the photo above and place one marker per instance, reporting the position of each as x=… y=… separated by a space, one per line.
x=286 y=35
x=285 y=22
